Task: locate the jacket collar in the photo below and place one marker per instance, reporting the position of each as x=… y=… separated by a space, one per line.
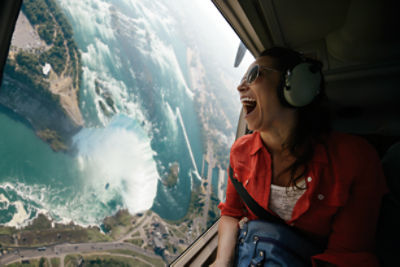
x=256 y=144
x=320 y=152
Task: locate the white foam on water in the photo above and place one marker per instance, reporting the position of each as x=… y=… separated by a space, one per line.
x=119 y=172
x=20 y=216
x=25 y=202
x=152 y=10
x=93 y=15
x=98 y=30
x=142 y=31
x=82 y=207
x=4 y=199
x=172 y=119
x=164 y=56
x=96 y=55
x=179 y=116
x=116 y=89
x=94 y=18
x=120 y=155
x=81 y=162
x=96 y=63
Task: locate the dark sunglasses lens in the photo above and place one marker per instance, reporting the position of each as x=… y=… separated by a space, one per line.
x=252 y=75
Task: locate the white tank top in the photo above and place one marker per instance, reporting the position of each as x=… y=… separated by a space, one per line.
x=283 y=199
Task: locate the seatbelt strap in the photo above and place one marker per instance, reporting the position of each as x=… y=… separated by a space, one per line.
x=251 y=203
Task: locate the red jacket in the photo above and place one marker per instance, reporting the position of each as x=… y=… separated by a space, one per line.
x=345 y=184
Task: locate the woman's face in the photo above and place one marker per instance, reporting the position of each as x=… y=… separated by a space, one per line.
x=260 y=101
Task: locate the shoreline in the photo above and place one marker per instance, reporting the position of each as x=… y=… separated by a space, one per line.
x=147 y=230
x=46 y=100
x=10 y=113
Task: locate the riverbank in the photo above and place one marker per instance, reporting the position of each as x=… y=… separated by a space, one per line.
x=147 y=232
x=42 y=74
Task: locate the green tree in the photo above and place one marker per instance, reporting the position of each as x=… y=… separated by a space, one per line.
x=42 y=262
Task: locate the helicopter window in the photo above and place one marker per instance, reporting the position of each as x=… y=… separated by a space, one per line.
x=117 y=118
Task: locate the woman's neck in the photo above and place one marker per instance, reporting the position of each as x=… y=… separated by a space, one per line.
x=276 y=137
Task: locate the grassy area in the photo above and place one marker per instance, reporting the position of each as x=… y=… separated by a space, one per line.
x=155 y=261
x=41 y=233
x=118 y=224
x=183 y=228
x=172 y=248
x=135 y=234
x=135 y=241
x=5 y=230
x=30 y=263
x=72 y=260
x=55 y=262
x=178 y=233
x=105 y=260
x=95 y=235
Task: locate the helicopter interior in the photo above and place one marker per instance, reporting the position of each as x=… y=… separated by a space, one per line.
x=358 y=43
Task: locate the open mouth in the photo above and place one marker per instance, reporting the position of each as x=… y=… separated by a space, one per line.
x=249 y=104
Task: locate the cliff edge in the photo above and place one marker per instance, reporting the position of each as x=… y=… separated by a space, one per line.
x=42 y=74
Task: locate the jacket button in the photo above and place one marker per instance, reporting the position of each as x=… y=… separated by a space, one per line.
x=255 y=238
x=321 y=196
x=309 y=179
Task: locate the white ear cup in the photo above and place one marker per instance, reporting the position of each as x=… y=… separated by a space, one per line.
x=301 y=85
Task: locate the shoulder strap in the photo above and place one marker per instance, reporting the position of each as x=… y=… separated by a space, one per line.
x=251 y=203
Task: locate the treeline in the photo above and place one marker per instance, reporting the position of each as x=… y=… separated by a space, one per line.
x=56 y=55
x=104 y=262
x=46 y=14
x=38 y=13
x=75 y=68
x=74 y=54
x=29 y=74
x=29 y=61
x=60 y=18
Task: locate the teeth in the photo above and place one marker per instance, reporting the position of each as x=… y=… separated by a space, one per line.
x=247 y=99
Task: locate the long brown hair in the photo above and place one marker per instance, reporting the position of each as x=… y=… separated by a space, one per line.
x=313 y=120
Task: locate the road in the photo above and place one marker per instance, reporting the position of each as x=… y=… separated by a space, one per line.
x=65 y=249
x=211 y=165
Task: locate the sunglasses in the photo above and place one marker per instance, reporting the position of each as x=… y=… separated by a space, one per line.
x=255 y=72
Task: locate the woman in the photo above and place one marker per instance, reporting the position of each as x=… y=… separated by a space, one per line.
x=327 y=185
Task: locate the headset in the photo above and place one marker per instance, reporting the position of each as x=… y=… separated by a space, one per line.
x=301 y=84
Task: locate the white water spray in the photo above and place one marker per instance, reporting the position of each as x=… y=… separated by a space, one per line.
x=178 y=114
